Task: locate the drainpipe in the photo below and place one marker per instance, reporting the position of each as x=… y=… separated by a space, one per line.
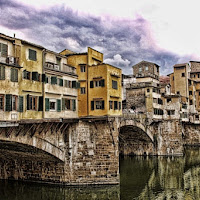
x=43 y=83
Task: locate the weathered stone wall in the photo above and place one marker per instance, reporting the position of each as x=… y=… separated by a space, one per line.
x=136 y=99
x=83 y=153
x=169 y=137
x=191 y=134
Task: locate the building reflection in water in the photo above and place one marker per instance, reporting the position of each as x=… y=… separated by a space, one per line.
x=166 y=177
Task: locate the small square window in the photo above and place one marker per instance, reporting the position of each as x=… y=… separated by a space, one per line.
x=183 y=75
x=148 y=90
x=177 y=92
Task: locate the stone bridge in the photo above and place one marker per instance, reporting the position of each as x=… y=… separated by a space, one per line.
x=85 y=150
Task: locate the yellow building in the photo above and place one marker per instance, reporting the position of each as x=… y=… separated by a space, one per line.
x=30 y=80
x=9 y=79
x=97 y=96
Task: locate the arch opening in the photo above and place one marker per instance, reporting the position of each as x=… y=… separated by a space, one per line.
x=134 y=141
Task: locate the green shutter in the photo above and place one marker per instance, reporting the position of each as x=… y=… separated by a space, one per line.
x=32 y=55
x=120 y=106
x=58 y=105
x=2 y=73
x=40 y=107
x=63 y=104
x=27 y=102
x=21 y=102
x=92 y=105
x=77 y=85
x=44 y=78
x=102 y=83
x=73 y=84
x=14 y=75
x=102 y=104
x=8 y=102
x=53 y=80
x=74 y=104
x=60 y=82
x=35 y=76
x=4 y=50
x=46 y=104
x=91 y=84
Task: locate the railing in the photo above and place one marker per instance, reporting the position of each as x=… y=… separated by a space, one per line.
x=64 y=68
x=11 y=60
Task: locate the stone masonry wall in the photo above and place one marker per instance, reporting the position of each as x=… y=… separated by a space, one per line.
x=169 y=138
x=90 y=151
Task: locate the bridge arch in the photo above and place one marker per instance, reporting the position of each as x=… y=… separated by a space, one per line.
x=135 y=138
x=35 y=142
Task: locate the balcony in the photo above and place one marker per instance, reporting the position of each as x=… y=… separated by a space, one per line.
x=68 y=69
x=10 y=60
x=50 y=65
x=63 y=68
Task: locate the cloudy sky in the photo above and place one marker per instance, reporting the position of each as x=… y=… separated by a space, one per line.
x=126 y=31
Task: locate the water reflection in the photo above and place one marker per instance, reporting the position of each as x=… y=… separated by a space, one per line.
x=162 y=177
x=12 y=190
x=159 y=178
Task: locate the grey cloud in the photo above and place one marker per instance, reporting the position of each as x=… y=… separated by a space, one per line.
x=60 y=27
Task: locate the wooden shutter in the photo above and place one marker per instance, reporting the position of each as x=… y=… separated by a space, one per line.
x=8 y=102
x=91 y=84
x=4 y=50
x=120 y=106
x=53 y=80
x=28 y=102
x=58 y=105
x=92 y=105
x=2 y=73
x=74 y=104
x=102 y=83
x=21 y=103
x=44 y=78
x=61 y=82
x=46 y=104
x=32 y=55
x=40 y=106
x=63 y=104
x=102 y=105
x=35 y=76
x=77 y=85
x=73 y=84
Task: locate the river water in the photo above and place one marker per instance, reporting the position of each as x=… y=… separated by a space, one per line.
x=160 y=178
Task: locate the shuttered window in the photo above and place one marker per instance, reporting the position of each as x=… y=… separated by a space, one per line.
x=91 y=84
x=60 y=82
x=3 y=50
x=115 y=105
x=58 y=105
x=114 y=84
x=74 y=104
x=14 y=75
x=53 y=80
x=35 y=76
x=8 y=102
x=2 y=73
x=73 y=84
x=120 y=105
x=32 y=55
x=1 y=102
x=21 y=102
x=92 y=105
x=46 y=104
x=40 y=106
